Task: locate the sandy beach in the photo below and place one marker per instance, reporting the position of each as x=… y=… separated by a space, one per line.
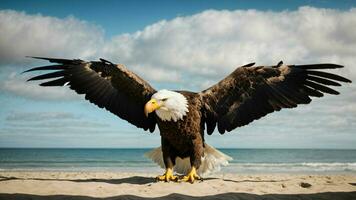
x=112 y=185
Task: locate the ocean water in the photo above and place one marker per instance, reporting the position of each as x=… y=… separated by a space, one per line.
x=309 y=161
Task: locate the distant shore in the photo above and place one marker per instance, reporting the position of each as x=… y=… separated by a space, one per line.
x=112 y=185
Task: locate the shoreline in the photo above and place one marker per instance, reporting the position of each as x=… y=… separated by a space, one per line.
x=128 y=185
x=156 y=171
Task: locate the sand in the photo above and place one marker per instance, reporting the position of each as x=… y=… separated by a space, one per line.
x=111 y=185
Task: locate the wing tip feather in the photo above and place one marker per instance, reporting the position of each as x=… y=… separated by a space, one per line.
x=249 y=65
x=319 y=66
x=56 y=60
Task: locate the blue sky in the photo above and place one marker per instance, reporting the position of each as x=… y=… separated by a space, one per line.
x=175 y=45
x=129 y=16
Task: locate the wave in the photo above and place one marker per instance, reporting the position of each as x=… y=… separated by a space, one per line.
x=294 y=167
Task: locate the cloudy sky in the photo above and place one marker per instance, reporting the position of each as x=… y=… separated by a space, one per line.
x=174 y=45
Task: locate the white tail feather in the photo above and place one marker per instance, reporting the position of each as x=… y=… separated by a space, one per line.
x=211 y=162
x=156 y=156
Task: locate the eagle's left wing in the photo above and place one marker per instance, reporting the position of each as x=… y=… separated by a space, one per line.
x=250 y=92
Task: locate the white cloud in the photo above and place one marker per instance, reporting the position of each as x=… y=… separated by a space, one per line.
x=212 y=43
x=17 y=85
x=51 y=121
x=36 y=35
x=40 y=116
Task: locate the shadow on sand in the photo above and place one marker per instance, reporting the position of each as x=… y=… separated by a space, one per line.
x=137 y=180
x=225 y=196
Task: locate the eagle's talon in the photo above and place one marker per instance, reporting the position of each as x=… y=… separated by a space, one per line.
x=191 y=176
x=168 y=176
x=190 y=179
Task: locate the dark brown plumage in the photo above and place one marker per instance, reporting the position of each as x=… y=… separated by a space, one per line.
x=247 y=94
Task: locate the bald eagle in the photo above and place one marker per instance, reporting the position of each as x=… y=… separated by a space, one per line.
x=183 y=117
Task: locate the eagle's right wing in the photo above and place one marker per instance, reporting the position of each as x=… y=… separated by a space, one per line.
x=105 y=84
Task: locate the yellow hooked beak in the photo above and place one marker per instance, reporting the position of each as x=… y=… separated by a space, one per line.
x=151 y=106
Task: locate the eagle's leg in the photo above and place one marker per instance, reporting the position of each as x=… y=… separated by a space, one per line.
x=195 y=161
x=168 y=175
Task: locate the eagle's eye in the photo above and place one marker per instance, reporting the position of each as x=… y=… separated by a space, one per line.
x=165 y=99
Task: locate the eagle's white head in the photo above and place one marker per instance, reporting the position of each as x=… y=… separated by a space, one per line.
x=168 y=105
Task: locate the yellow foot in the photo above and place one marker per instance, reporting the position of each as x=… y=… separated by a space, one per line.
x=168 y=176
x=191 y=176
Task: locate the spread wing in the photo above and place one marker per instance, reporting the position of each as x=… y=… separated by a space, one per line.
x=105 y=84
x=250 y=93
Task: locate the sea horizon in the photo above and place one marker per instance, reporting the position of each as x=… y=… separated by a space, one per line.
x=220 y=148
